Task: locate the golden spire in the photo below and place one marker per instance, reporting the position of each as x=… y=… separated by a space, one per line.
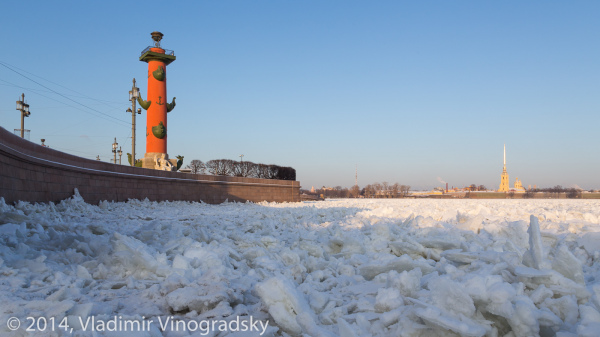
x=504 y=156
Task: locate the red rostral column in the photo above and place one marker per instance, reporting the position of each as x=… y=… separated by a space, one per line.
x=157 y=106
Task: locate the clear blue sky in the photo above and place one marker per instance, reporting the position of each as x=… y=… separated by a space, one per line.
x=410 y=91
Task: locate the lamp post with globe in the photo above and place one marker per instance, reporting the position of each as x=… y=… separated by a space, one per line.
x=114 y=150
x=134 y=93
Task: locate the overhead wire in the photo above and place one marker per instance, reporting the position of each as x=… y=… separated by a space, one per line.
x=60 y=85
x=112 y=118
x=37 y=91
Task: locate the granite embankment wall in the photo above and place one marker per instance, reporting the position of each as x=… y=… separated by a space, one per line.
x=31 y=172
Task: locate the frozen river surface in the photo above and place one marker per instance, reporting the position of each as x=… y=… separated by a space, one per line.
x=333 y=268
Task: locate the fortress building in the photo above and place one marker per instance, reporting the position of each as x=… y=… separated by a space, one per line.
x=504 y=185
x=519 y=186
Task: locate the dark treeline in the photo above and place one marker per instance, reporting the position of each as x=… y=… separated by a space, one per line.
x=474 y=187
x=228 y=167
x=385 y=190
x=554 y=192
x=376 y=190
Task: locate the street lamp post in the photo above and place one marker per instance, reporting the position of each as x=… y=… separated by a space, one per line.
x=24 y=108
x=120 y=154
x=241 y=158
x=114 y=150
x=133 y=96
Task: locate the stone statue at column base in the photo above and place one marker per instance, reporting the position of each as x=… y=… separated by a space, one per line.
x=159 y=161
x=162 y=164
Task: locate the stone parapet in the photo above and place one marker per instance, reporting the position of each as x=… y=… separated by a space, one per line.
x=33 y=173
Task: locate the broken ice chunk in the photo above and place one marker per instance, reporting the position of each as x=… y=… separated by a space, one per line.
x=457 y=255
x=346 y=329
x=440 y=242
x=388 y=299
x=524 y=320
x=591 y=242
x=555 y=281
x=590 y=321
x=288 y=307
x=540 y=294
x=133 y=255
x=451 y=296
x=463 y=325
x=535 y=257
x=196 y=298
x=376 y=267
x=407 y=247
x=408 y=282
x=567 y=264
x=565 y=308
x=12 y=218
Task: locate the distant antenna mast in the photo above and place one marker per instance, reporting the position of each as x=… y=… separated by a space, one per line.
x=356 y=176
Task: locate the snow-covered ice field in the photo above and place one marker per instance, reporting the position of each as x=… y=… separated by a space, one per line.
x=333 y=268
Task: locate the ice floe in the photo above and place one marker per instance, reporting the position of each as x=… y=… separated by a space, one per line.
x=333 y=268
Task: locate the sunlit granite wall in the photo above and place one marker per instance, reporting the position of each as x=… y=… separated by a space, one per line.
x=31 y=172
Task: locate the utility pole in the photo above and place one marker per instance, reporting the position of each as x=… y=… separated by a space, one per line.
x=133 y=96
x=24 y=108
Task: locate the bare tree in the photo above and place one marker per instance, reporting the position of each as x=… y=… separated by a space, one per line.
x=261 y=171
x=219 y=167
x=249 y=169
x=377 y=189
x=369 y=191
x=529 y=194
x=354 y=191
x=573 y=193
x=341 y=192
x=385 y=189
x=244 y=169
x=335 y=192
x=395 y=190
x=197 y=166
x=404 y=190
x=273 y=171
x=286 y=173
